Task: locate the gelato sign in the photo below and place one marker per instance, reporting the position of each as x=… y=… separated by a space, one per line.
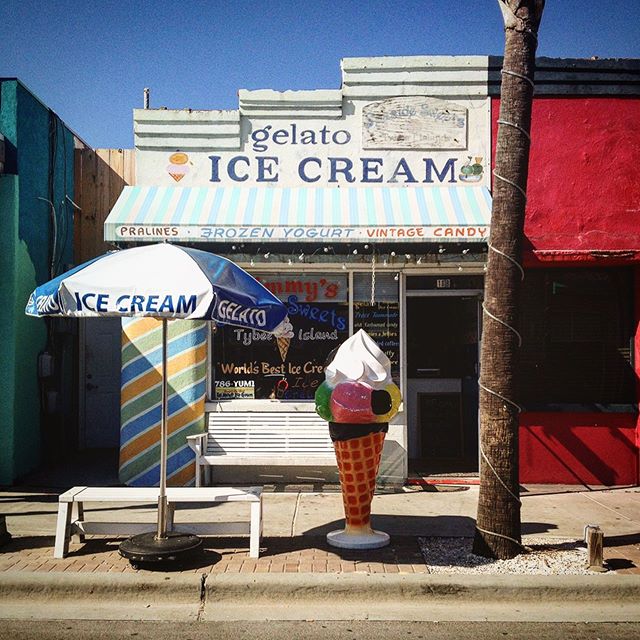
x=401 y=141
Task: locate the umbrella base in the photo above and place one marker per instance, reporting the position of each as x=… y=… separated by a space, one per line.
x=147 y=548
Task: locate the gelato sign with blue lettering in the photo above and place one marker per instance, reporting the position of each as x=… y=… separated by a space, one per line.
x=399 y=141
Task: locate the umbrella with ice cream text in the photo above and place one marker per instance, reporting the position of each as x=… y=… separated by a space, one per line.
x=163 y=281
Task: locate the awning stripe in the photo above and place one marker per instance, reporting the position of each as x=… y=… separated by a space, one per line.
x=202 y=214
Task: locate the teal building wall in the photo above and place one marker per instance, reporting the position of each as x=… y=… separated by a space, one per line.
x=36 y=243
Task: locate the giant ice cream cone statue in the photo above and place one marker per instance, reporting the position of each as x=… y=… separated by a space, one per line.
x=358 y=399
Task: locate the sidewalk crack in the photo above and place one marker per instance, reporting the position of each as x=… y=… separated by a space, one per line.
x=203 y=596
x=295 y=514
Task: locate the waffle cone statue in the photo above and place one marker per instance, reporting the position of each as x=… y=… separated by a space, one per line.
x=358 y=398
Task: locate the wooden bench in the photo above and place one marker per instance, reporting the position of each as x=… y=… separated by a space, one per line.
x=72 y=521
x=274 y=439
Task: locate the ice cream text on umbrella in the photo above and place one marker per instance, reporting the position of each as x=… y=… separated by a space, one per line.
x=138 y=303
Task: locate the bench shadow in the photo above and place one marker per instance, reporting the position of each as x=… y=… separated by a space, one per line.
x=24 y=543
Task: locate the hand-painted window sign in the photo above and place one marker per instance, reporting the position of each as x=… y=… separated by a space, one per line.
x=307 y=288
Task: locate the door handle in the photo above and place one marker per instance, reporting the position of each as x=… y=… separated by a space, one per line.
x=90 y=387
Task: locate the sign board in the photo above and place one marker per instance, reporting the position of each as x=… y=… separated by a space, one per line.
x=253 y=364
x=395 y=141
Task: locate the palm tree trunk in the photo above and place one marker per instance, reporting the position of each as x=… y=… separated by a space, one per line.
x=498 y=522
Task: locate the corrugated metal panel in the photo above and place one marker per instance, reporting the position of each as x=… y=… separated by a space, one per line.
x=577 y=77
x=266 y=103
x=415 y=76
x=187 y=130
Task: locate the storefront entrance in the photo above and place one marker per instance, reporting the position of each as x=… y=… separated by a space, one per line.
x=442 y=371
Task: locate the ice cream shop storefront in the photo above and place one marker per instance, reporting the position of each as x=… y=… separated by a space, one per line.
x=368 y=207
x=357 y=211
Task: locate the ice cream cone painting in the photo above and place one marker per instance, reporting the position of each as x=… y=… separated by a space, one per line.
x=284 y=340
x=283 y=347
x=178 y=165
x=358 y=399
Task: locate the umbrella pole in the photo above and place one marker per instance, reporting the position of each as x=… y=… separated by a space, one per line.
x=162 y=497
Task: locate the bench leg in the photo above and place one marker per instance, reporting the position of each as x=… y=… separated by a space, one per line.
x=77 y=515
x=255 y=530
x=63 y=525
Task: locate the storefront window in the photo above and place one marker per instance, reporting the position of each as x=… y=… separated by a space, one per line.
x=254 y=365
x=577 y=329
x=380 y=316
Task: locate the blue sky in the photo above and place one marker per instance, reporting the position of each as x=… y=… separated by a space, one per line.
x=89 y=61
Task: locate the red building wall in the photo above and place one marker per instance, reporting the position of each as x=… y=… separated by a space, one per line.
x=583 y=208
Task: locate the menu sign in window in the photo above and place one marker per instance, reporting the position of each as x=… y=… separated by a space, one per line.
x=252 y=364
x=381 y=320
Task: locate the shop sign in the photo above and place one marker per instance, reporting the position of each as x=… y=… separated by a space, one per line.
x=414 y=122
x=290 y=369
x=304 y=234
x=306 y=288
x=401 y=141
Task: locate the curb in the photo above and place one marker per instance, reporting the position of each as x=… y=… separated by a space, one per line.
x=300 y=587
x=45 y=586
x=225 y=597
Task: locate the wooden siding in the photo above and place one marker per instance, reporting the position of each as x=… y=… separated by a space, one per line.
x=100 y=176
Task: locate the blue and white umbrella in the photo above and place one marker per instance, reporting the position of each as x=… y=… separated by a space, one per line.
x=163 y=281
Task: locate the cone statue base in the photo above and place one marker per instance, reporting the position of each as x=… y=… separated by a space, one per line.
x=358 y=538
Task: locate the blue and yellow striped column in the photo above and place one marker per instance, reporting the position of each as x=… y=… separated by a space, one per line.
x=141 y=399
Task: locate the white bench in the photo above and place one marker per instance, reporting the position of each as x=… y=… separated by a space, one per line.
x=268 y=438
x=71 y=515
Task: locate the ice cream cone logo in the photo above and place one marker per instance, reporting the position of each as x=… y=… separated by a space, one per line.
x=283 y=334
x=178 y=165
x=283 y=347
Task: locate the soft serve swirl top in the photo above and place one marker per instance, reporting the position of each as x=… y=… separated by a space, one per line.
x=359 y=359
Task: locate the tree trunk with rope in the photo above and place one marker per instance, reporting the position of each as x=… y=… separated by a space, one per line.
x=498 y=523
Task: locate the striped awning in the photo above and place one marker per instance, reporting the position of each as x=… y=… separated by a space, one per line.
x=300 y=214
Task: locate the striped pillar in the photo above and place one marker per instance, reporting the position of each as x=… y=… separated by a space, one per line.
x=141 y=399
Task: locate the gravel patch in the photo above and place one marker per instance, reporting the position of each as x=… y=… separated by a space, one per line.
x=541 y=556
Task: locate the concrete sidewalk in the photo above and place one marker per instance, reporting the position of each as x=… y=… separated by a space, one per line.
x=299 y=577
x=297 y=520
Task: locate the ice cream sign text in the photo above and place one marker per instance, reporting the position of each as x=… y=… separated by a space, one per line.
x=333 y=170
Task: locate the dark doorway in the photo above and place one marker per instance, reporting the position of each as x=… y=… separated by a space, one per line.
x=442 y=371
